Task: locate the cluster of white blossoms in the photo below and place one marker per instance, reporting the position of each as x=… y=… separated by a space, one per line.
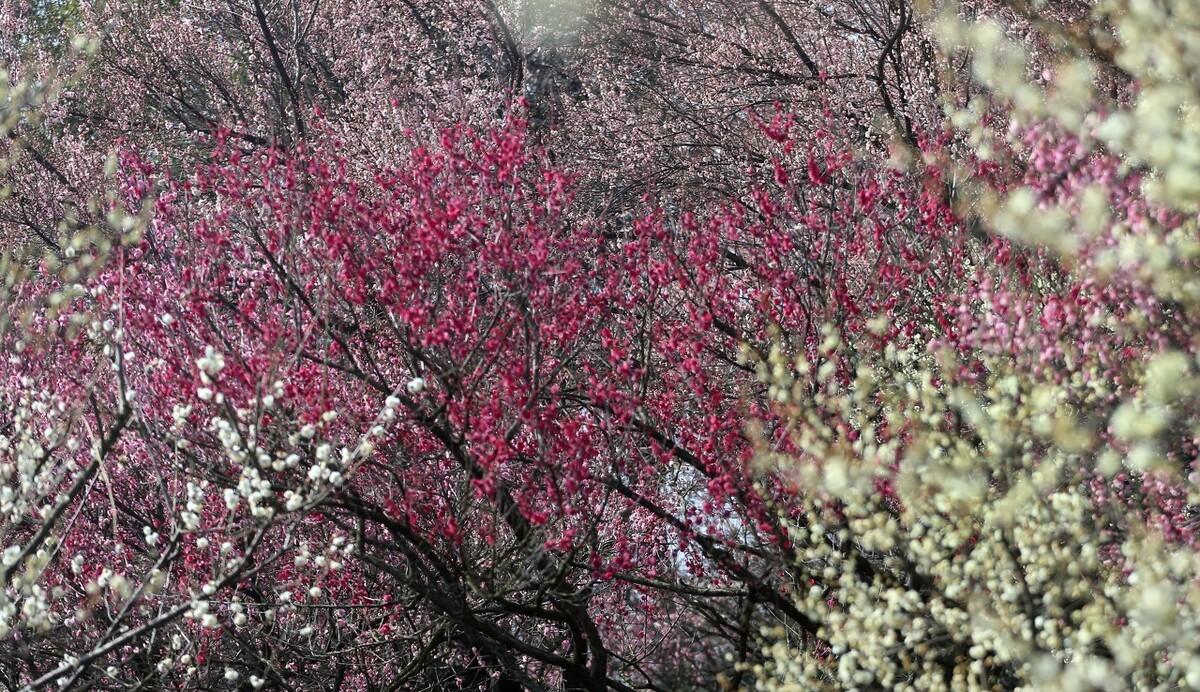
x=39 y=459
x=28 y=468
x=238 y=431
x=991 y=569
x=997 y=566
x=311 y=447
x=329 y=470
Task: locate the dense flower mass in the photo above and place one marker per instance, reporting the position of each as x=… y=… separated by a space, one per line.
x=601 y=344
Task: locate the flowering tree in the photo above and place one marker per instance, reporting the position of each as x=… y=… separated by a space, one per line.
x=1036 y=525
x=425 y=413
